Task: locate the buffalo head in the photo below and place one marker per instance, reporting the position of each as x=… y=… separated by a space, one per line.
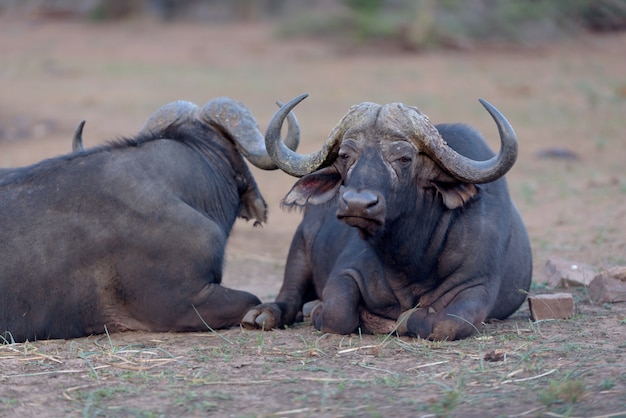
x=375 y=153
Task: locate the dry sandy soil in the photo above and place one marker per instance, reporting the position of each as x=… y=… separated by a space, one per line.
x=566 y=96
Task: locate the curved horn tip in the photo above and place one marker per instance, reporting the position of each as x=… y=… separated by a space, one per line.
x=490 y=108
x=77 y=140
x=296 y=99
x=78 y=132
x=500 y=119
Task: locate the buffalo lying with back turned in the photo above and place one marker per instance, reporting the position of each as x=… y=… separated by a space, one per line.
x=407 y=227
x=131 y=235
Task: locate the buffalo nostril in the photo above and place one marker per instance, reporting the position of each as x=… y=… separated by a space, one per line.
x=363 y=199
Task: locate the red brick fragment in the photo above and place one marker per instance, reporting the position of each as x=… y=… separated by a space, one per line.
x=561 y=273
x=609 y=286
x=551 y=306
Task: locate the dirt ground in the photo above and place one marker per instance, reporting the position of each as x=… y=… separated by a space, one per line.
x=567 y=96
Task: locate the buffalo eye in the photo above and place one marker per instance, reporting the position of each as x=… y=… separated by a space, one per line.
x=347 y=153
x=344 y=158
x=402 y=164
x=404 y=160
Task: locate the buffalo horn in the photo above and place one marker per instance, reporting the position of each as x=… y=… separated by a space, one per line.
x=77 y=140
x=172 y=114
x=460 y=167
x=238 y=121
x=291 y=162
x=229 y=116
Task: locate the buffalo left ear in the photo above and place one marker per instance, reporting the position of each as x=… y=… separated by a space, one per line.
x=253 y=206
x=313 y=189
x=456 y=195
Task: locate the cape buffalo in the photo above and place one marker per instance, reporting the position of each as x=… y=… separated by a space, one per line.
x=131 y=235
x=405 y=224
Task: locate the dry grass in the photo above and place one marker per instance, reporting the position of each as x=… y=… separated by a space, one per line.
x=513 y=368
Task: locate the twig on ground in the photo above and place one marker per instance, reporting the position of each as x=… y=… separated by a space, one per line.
x=525 y=379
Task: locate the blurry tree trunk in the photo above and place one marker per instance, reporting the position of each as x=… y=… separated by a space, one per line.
x=247 y=10
x=421 y=26
x=117 y=9
x=275 y=7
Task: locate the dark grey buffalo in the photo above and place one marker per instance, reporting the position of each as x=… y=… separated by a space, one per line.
x=131 y=235
x=407 y=227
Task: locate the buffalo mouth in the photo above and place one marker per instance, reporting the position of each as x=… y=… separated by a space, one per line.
x=363 y=209
x=368 y=226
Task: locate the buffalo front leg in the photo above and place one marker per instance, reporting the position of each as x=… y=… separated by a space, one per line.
x=459 y=319
x=216 y=307
x=338 y=312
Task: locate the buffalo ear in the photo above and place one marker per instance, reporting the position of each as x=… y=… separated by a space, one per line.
x=456 y=195
x=253 y=207
x=313 y=189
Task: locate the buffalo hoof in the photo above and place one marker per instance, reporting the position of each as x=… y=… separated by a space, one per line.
x=402 y=321
x=309 y=307
x=418 y=322
x=327 y=321
x=265 y=317
x=427 y=323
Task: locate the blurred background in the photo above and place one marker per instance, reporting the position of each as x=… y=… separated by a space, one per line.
x=411 y=24
x=555 y=68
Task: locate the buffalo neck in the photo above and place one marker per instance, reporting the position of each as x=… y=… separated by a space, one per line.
x=413 y=242
x=211 y=186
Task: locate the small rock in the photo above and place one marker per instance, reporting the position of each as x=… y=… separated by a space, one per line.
x=558 y=153
x=495 y=355
x=551 y=306
x=609 y=286
x=561 y=273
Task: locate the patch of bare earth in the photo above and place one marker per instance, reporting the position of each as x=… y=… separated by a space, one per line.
x=570 y=95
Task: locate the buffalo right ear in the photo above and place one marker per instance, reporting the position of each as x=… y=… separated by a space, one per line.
x=313 y=189
x=456 y=195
